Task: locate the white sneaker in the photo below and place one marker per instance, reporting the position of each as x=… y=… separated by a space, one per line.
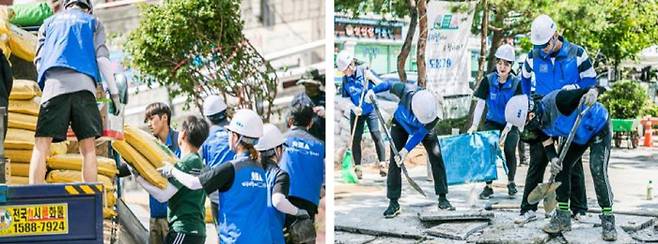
x=526 y=217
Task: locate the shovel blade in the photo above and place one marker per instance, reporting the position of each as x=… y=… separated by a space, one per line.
x=550 y=201
x=347 y=169
x=541 y=191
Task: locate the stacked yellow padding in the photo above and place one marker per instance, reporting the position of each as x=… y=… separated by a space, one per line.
x=22 y=121
x=71 y=176
x=139 y=163
x=106 y=166
x=30 y=107
x=149 y=146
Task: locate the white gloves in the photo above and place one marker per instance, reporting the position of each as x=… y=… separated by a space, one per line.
x=590 y=97
x=555 y=167
x=167 y=170
x=570 y=87
x=302 y=214
x=370 y=96
x=356 y=110
x=402 y=155
x=473 y=129
x=319 y=110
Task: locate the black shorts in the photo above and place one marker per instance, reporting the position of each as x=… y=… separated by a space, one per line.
x=78 y=109
x=183 y=238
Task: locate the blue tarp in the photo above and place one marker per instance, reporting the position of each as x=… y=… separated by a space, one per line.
x=471 y=157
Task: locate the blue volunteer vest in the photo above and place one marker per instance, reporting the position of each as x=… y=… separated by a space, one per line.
x=303 y=159
x=69 y=43
x=551 y=76
x=404 y=116
x=215 y=149
x=499 y=95
x=243 y=215
x=591 y=124
x=353 y=87
x=277 y=218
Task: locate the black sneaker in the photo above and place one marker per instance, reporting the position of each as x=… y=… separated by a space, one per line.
x=392 y=210
x=511 y=189
x=486 y=193
x=444 y=204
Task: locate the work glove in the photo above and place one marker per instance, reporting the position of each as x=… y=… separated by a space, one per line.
x=302 y=214
x=132 y=170
x=370 y=96
x=590 y=97
x=503 y=135
x=473 y=129
x=357 y=110
x=166 y=170
x=319 y=110
x=570 y=87
x=116 y=102
x=555 y=167
x=399 y=159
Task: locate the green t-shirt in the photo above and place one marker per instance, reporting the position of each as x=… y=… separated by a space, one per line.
x=185 y=209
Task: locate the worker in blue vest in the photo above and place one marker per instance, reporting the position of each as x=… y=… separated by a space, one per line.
x=358 y=82
x=70 y=56
x=493 y=93
x=158 y=118
x=413 y=123
x=270 y=147
x=215 y=150
x=303 y=159
x=554 y=116
x=555 y=64
x=241 y=183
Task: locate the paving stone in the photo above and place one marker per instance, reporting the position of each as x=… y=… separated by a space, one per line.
x=351 y=238
x=513 y=235
x=389 y=240
x=457 y=231
x=455 y=215
x=405 y=225
x=646 y=235
x=593 y=235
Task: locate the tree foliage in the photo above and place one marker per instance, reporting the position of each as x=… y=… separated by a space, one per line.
x=625 y=100
x=196 y=48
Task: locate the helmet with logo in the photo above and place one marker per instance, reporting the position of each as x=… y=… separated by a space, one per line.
x=542 y=29
x=516 y=111
x=87 y=3
x=344 y=59
x=506 y=52
x=424 y=106
x=272 y=138
x=246 y=123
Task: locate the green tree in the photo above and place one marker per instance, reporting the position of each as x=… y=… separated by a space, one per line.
x=196 y=48
x=625 y=99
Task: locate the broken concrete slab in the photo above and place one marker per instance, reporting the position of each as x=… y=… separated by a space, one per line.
x=443 y=241
x=351 y=238
x=634 y=223
x=590 y=235
x=512 y=235
x=406 y=225
x=432 y=216
x=389 y=240
x=645 y=235
x=457 y=231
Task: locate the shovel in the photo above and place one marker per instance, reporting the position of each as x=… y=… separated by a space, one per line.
x=395 y=150
x=347 y=165
x=546 y=191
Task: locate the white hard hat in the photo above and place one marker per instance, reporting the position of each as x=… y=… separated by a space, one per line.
x=542 y=29
x=343 y=60
x=213 y=105
x=516 y=111
x=272 y=138
x=247 y=123
x=423 y=105
x=506 y=52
